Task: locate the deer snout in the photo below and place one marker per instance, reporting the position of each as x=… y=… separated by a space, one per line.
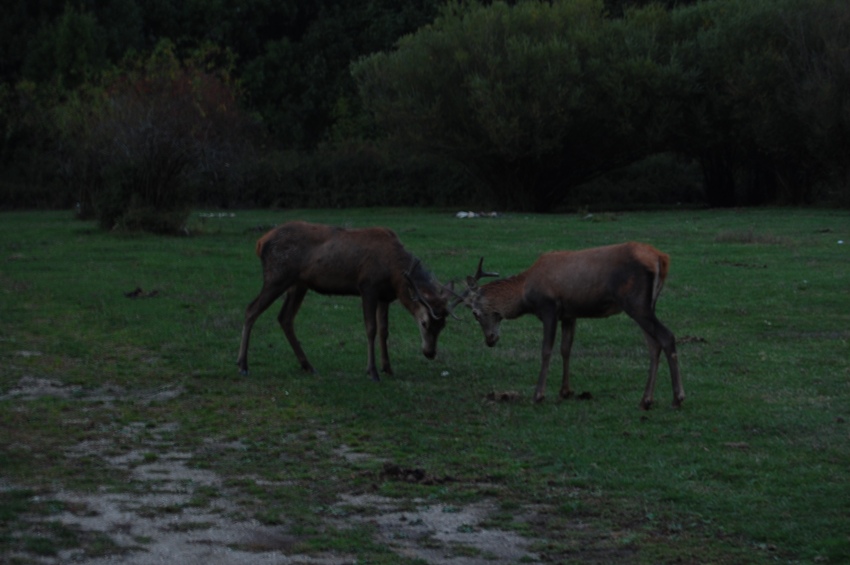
x=491 y=339
x=429 y=346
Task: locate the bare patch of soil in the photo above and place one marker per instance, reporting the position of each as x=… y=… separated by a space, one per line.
x=161 y=525
x=171 y=512
x=440 y=533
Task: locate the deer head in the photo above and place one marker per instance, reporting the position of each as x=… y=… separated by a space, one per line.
x=485 y=314
x=431 y=315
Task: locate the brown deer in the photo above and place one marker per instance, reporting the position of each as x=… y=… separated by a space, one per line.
x=371 y=262
x=592 y=283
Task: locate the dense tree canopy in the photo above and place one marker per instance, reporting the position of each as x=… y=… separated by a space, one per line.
x=539 y=97
x=532 y=97
x=517 y=102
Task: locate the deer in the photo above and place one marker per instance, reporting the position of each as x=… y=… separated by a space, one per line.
x=369 y=262
x=591 y=283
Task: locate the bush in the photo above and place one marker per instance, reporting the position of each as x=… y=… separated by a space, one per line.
x=155 y=139
x=533 y=97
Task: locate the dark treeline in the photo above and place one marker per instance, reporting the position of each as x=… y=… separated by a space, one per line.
x=136 y=110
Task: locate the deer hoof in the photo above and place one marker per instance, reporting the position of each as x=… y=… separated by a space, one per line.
x=645 y=404
x=538 y=398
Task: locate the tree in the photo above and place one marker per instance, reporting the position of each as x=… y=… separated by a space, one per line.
x=69 y=50
x=768 y=77
x=816 y=93
x=141 y=148
x=301 y=78
x=533 y=98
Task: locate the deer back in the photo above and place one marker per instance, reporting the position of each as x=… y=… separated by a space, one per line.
x=596 y=282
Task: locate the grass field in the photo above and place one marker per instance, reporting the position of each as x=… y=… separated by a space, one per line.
x=100 y=391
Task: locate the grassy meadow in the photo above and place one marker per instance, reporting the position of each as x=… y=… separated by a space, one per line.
x=752 y=469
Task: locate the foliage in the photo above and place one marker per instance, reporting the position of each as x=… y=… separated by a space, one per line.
x=746 y=124
x=300 y=76
x=751 y=469
x=659 y=181
x=144 y=149
x=357 y=173
x=68 y=50
x=534 y=98
x=29 y=161
x=538 y=97
x=817 y=94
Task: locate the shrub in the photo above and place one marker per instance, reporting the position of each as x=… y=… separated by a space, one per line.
x=144 y=148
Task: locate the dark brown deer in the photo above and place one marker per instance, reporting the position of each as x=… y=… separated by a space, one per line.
x=593 y=283
x=371 y=262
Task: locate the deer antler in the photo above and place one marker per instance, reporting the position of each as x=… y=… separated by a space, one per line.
x=479 y=273
x=450 y=288
x=419 y=297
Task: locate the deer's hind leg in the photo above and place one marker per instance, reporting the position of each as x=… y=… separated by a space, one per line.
x=660 y=338
x=568 y=332
x=286 y=319
x=654 y=355
x=267 y=296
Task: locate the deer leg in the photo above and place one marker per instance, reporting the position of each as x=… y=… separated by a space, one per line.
x=668 y=343
x=370 y=311
x=549 y=330
x=568 y=330
x=383 y=335
x=654 y=355
x=286 y=319
x=267 y=296
x=664 y=339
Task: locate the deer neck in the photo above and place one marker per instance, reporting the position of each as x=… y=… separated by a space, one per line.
x=403 y=290
x=506 y=296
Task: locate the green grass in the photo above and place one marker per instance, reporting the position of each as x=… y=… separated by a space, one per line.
x=753 y=468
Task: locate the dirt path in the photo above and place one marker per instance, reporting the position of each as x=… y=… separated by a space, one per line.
x=162 y=521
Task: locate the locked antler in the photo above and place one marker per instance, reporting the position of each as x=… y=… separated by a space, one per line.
x=419 y=297
x=479 y=273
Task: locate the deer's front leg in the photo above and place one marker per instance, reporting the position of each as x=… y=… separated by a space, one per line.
x=370 y=308
x=383 y=335
x=568 y=331
x=549 y=329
